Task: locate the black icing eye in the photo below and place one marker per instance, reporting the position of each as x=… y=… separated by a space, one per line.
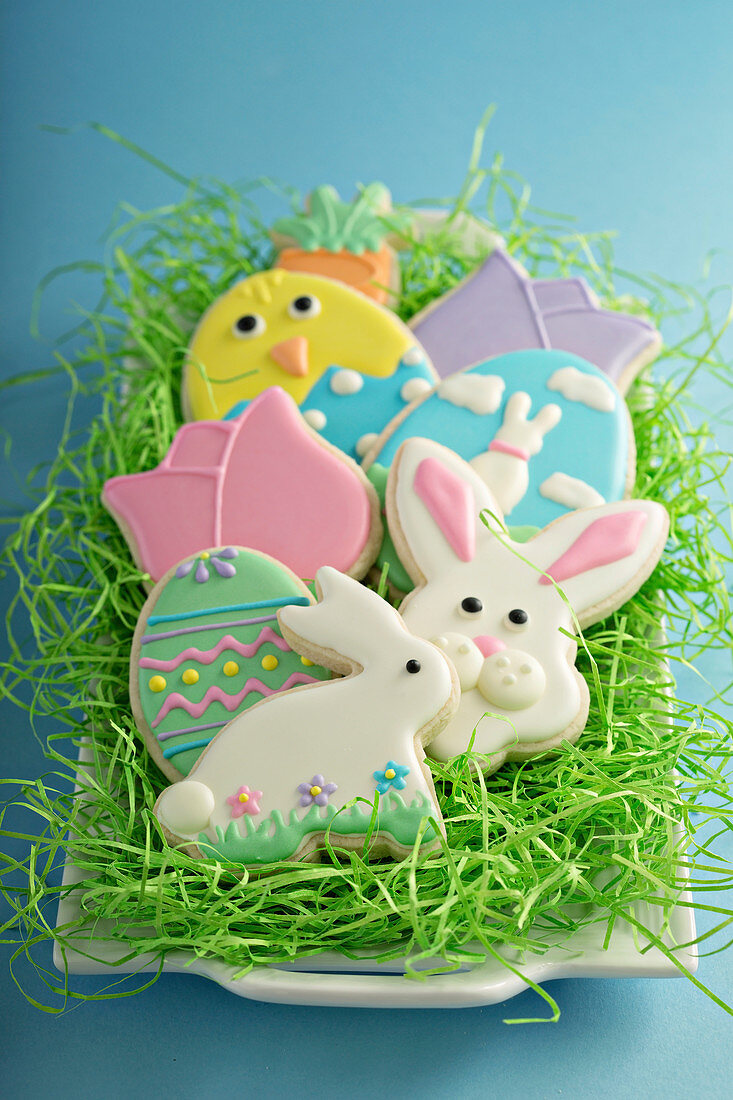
x=307 y=305
x=471 y=605
x=413 y=665
x=516 y=619
x=248 y=325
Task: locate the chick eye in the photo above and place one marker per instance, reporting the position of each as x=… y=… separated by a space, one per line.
x=470 y=606
x=413 y=665
x=248 y=325
x=303 y=307
x=516 y=619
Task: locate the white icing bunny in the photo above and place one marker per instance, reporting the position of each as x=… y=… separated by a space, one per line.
x=505 y=465
x=486 y=601
x=271 y=781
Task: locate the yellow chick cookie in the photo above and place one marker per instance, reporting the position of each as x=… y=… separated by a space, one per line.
x=283 y=328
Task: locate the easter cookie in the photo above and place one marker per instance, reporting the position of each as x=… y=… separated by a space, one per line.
x=499 y=309
x=495 y=606
x=305 y=767
x=207 y=646
x=282 y=328
x=348 y=241
x=547 y=431
x=265 y=480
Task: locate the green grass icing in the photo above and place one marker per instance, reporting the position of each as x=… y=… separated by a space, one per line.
x=275 y=838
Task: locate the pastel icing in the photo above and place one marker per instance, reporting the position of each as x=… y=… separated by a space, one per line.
x=288 y=329
x=253 y=481
x=351 y=414
x=500 y=309
x=505 y=625
x=585 y=443
x=325 y=757
x=226 y=632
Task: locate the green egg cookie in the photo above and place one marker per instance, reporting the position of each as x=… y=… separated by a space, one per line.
x=208 y=646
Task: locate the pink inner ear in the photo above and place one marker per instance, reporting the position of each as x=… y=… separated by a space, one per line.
x=607 y=540
x=451 y=504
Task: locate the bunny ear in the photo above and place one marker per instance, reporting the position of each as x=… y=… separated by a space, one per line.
x=601 y=556
x=433 y=502
x=349 y=625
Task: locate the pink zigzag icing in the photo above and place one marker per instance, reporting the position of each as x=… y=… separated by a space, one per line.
x=208 y=656
x=215 y=695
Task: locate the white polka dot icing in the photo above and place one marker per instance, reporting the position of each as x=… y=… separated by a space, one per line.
x=346 y=382
x=413 y=357
x=365 y=443
x=416 y=387
x=316 y=419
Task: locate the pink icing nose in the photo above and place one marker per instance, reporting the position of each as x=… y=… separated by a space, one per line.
x=488 y=645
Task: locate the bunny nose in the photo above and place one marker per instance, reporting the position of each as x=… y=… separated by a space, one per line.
x=511 y=679
x=292 y=355
x=488 y=644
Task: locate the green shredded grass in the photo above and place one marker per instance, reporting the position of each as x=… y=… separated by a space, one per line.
x=534 y=852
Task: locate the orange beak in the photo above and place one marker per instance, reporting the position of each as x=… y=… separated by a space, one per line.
x=292 y=355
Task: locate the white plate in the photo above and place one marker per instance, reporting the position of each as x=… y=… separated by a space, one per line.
x=330 y=979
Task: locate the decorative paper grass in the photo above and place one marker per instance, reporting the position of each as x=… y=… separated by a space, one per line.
x=596 y=826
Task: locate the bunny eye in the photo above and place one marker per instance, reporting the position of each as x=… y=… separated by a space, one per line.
x=470 y=606
x=303 y=307
x=248 y=326
x=413 y=665
x=516 y=619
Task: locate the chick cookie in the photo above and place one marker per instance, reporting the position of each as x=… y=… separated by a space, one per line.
x=350 y=364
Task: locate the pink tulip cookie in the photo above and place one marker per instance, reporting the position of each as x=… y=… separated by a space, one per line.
x=495 y=606
x=265 y=480
x=309 y=764
x=208 y=646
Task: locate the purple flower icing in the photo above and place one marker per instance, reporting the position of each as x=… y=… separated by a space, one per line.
x=223 y=568
x=317 y=791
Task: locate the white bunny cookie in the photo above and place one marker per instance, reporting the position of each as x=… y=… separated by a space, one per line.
x=276 y=779
x=491 y=604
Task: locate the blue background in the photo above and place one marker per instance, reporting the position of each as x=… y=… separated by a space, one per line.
x=620 y=114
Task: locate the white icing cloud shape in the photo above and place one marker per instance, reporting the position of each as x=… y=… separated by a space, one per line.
x=481 y=393
x=588 y=389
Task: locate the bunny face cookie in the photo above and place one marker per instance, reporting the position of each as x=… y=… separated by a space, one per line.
x=494 y=606
x=311 y=761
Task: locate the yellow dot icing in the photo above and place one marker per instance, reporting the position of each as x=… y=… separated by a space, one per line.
x=306 y=662
x=157 y=683
x=204 y=555
x=315 y=791
x=244 y=797
x=269 y=662
x=190 y=676
x=231 y=668
x=389 y=774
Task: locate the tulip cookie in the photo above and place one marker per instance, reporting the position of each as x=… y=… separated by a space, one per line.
x=208 y=645
x=495 y=606
x=349 y=363
x=309 y=765
x=499 y=309
x=265 y=480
